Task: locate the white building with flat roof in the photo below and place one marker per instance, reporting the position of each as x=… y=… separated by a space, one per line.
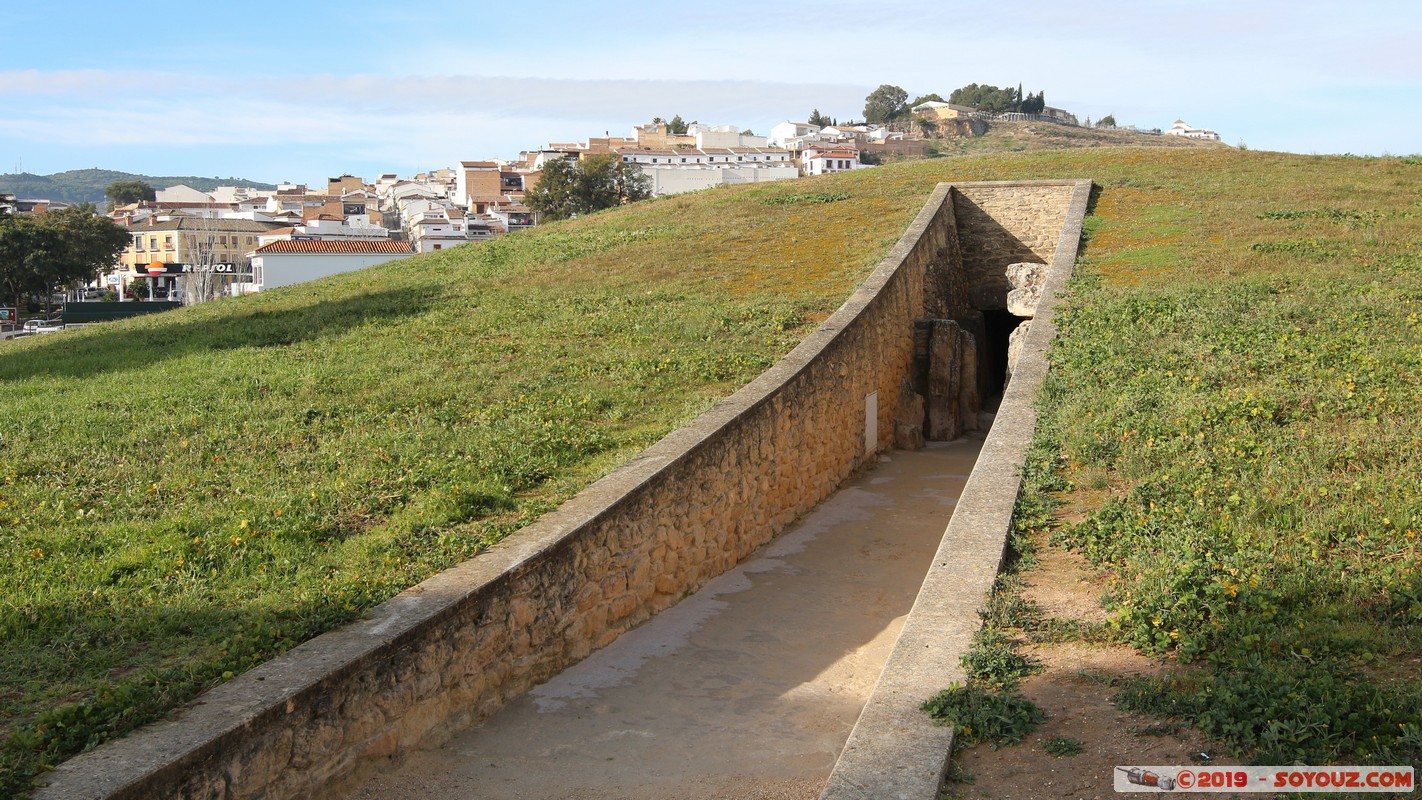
x=1182 y=128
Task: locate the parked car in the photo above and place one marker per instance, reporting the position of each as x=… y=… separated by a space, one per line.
x=43 y=325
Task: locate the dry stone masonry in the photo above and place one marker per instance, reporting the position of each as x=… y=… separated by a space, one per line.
x=444 y=655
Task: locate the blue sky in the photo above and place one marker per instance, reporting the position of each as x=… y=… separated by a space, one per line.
x=307 y=91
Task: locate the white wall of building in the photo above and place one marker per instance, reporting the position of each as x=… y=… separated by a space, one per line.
x=284 y=269
x=181 y=193
x=832 y=162
x=675 y=180
x=785 y=131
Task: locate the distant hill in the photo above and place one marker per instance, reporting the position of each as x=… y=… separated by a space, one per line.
x=88 y=185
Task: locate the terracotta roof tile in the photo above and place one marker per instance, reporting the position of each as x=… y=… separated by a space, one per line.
x=335 y=246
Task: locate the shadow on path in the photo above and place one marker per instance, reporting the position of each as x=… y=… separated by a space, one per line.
x=747 y=689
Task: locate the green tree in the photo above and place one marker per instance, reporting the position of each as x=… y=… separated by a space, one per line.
x=568 y=188
x=816 y=118
x=677 y=125
x=986 y=98
x=41 y=254
x=1108 y=121
x=885 y=104
x=931 y=97
x=25 y=245
x=123 y=193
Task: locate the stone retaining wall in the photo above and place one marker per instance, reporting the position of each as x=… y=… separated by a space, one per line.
x=447 y=653
x=1000 y=223
x=895 y=752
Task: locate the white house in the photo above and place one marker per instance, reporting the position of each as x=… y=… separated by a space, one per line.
x=781 y=134
x=673 y=171
x=724 y=136
x=182 y=193
x=826 y=159
x=436 y=229
x=1182 y=128
x=288 y=261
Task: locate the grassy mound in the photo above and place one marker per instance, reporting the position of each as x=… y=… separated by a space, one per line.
x=188 y=494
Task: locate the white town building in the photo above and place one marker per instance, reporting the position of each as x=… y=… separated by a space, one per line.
x=1182 y=128
x=289 y=261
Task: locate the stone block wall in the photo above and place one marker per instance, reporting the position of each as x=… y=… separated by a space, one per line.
x=1003 y=222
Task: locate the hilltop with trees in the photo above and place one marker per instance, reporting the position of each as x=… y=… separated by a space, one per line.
x=91 y=185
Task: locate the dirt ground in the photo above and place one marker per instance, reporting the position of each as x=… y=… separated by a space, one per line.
x=1075 y=693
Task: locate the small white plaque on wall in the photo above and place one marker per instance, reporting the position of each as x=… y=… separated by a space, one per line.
x=871 y=423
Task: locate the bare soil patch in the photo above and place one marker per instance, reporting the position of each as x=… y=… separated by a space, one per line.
x=1075 y=690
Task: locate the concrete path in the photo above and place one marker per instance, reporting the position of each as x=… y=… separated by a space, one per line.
x=747 y=689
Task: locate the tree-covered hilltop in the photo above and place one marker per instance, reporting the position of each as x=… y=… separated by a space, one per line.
x=88 y=185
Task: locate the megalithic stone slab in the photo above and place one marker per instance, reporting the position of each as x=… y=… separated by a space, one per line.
x=969 y=400
x=945 y=354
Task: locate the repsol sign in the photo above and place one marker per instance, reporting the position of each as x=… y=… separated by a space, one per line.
x=186 y=269
x=225 y=269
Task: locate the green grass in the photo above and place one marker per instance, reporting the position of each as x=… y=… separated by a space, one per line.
x=1248 y=386
x=1062 y=746
x=186 y=495
x=978 y=715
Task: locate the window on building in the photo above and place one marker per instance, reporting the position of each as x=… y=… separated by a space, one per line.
x=138 y=243
x=153 y=243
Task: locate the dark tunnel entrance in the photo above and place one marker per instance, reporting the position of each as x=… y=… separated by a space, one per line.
x=998 y=325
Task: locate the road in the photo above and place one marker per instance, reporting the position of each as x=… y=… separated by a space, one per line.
x=747 y=689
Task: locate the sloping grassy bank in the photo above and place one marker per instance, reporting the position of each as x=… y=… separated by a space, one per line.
x=188 y=494
x=1236 y=395
x=1233 y=404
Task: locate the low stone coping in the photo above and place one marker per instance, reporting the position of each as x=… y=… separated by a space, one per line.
x=895 y=752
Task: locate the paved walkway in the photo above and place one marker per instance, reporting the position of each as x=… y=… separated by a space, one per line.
x=747 y=689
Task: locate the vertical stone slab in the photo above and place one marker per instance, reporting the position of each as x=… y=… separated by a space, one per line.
x=908 y=418
x=922 y=328
x=969 y=399
x=974 y=323
x=945 y=345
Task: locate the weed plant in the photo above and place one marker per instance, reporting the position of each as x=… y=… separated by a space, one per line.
x=1062 y=746
x=984 y=716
